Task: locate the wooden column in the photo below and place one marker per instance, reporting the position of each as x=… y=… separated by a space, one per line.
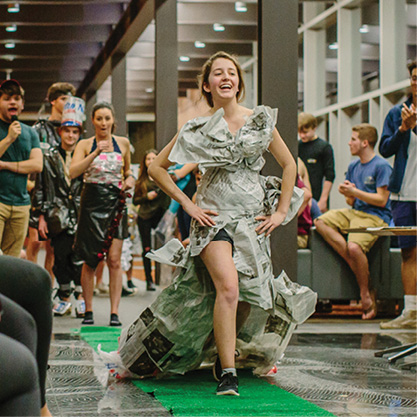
x=277 y=87
x=166 y=72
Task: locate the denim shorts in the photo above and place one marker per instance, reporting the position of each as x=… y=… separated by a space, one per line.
x=404 y=214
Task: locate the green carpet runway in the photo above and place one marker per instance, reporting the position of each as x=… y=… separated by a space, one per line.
x=194 y=393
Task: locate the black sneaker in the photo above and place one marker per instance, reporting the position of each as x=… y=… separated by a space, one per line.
x=228 y=385
x=217 y=369
x=114 y=320
x=88 y=318
x=131 y=285
x=127 y=292
x=150 y=286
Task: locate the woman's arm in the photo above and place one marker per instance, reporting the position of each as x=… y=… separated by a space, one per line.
x=302 y=170
x=182 y=172
x=81 y=160
x=129 y=179
x=284 y=158
x=158 y=170
x=307 y=198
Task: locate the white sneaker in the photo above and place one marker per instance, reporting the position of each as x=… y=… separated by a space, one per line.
x=102 y=288
x=79 y=308
x=62 y=308
x=407 y=320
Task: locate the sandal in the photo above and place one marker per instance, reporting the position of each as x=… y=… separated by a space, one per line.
x=366 y=315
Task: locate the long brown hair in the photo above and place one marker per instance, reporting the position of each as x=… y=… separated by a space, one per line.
x=140 y=188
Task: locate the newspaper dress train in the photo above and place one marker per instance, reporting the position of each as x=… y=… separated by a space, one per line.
x=173 y=335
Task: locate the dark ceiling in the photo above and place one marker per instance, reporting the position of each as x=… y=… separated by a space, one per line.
x=54 y=41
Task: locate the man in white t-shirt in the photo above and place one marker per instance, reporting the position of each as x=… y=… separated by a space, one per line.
x=399 y=138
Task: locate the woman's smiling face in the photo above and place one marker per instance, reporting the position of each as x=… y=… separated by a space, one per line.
x=223 y=81
x=149 y=159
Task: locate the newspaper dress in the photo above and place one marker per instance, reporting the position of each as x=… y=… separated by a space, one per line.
x=173 y=335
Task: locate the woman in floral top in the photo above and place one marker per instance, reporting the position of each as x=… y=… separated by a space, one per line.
x=104 y=159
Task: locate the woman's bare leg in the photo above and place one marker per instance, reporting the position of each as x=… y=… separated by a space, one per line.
x=99 y=273
x=87 y=282
x=217 y=256
x=115 y=274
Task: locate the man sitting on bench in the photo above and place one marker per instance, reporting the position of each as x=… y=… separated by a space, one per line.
x=365 y=189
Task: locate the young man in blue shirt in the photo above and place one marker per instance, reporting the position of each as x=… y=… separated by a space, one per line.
x=366 y=190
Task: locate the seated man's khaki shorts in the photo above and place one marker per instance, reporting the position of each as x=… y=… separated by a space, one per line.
x=348 y=219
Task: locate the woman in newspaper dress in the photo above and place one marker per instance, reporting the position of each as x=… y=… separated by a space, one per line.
x=228 y=260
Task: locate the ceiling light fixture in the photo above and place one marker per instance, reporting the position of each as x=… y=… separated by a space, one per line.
x=364 y=29
x=241 y=7
x=334 y=46
x=149 y=90
x=10 y=45
x=199 y=44
x=218 y=27
x=11 y=28
x=184 y=58
x=9 y=58
x=13 y=8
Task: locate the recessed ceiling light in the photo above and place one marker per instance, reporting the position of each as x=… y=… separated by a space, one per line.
x=149 y=90
x=11 y=28
x=184 y=58
x=13 y=8
x=199 y=44
x=334 y=45
x=9 y=57
x=218 y=27
x=10 y=45
x=364 y=29
x=241 y=7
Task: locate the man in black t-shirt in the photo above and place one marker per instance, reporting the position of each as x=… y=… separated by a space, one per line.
x=317 y=155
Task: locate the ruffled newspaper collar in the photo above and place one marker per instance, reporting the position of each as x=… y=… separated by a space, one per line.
x=216 y=127
x=208 y=141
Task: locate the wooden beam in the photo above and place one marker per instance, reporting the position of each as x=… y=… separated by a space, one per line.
x=134 y=21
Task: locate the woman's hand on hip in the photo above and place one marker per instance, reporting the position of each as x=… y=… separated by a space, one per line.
x=202 y=216
x=269 y=223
